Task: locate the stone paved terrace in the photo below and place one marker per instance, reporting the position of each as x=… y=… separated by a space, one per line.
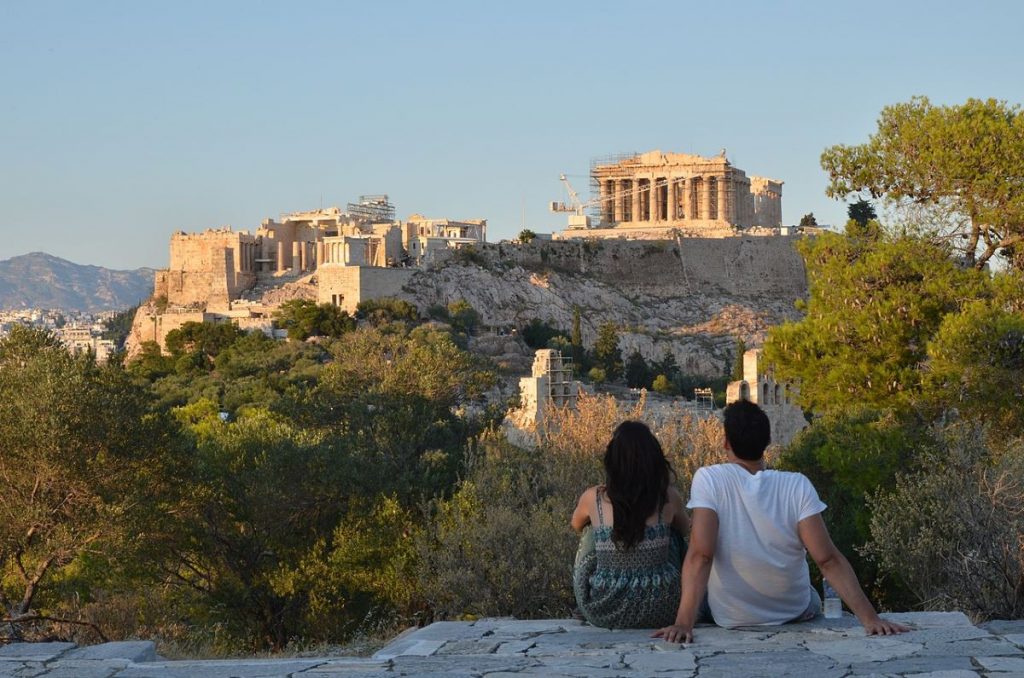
x=943 y=645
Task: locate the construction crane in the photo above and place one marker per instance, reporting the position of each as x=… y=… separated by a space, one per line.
x=578 y=217
x=577 y=209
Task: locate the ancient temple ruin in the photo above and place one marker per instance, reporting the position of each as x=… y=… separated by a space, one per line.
x=655 y=193
x=775 y=398
x=550 y=384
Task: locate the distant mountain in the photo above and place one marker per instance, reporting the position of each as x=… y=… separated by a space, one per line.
x=40 y=280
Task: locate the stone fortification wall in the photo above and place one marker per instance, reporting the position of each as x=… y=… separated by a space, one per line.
x=743 y=266
x=208 y=269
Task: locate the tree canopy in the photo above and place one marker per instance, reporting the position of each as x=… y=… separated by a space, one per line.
x=963 y=164
x=873 y=307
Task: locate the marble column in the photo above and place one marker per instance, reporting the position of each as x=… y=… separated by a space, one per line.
x=723 y=199
x=655 y=200
x=279 y=265
x=684 y=190
x=635 y=216
x=296 y=256
x=620 y=199
x=705 y=197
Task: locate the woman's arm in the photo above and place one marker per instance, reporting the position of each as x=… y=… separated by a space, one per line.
x=680 y=521
x=584 y=507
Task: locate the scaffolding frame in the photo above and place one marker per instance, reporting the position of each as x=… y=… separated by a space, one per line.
x=597 y=209
x=560 y=380
x=374 y=209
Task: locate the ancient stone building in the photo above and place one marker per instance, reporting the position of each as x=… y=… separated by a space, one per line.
x=424 y=238
x=550 y=384
x=657 y=192
x=210 y=270
x=776 y=399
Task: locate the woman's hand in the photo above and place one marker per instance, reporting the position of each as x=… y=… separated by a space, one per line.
x=677 y=633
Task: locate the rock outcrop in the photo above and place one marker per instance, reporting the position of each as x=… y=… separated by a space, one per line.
x=693 y=297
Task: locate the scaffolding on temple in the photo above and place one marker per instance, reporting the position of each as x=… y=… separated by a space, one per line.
x=374 y=209
x=598 y=211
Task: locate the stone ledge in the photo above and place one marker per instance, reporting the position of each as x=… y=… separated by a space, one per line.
x=942 y=645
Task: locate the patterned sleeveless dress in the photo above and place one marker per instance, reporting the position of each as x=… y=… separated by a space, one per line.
x=628 y=588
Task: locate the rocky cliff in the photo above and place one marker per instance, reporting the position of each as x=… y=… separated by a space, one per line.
x=692 y=296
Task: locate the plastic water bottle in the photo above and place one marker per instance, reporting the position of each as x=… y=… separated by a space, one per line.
x=830 y=601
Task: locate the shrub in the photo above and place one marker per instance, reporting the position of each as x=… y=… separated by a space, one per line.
x=953 y=532
x=501 y=545
x=538 y=333
x=385 y=310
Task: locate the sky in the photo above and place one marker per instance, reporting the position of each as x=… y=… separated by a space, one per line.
x=122 y=122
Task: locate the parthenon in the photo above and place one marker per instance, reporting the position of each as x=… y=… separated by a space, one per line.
x=657 y=191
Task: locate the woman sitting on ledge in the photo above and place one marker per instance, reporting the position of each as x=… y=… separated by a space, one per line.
x=627 y=572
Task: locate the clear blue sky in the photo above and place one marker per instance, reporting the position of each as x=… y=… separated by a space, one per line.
x=121 y=122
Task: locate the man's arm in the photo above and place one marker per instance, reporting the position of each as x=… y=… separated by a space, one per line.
x=836 y=568
x=696 y=570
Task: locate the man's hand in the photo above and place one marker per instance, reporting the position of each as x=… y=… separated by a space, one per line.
x=677 y=633
x=881 y=627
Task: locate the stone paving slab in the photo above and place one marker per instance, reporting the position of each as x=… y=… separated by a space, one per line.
x=942 y=645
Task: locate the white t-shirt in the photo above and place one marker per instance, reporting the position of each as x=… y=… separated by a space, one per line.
x=759 y=573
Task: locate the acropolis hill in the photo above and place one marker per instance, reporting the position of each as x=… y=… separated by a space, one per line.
x=686 y=254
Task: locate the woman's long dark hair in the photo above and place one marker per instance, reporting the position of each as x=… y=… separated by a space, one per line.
x=637 y=475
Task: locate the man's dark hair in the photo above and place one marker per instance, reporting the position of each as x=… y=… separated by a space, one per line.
x=747 y=429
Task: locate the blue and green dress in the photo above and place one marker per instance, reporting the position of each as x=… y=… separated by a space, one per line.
x=628 y=588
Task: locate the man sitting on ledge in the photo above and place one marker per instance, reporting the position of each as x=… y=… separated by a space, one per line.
x=750 y=529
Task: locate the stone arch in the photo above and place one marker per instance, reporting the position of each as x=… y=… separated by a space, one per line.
x=779 y=394
x=744 y=391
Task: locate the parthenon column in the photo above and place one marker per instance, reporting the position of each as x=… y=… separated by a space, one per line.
x=655 y=199
x=636 y=200
x=620 y=199
x=723 y=199
x=705 y=197
x=684 y=189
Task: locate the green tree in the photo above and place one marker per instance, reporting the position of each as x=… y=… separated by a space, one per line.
x=606 y=350
x=597 y=375
x=861 y=211
x=975 y=363
x=808 y=220
x=304 y=318
x=386 y=310
x=463 y=317
x=637 y=372
x=849 y=455
x=577 y=333
x=118 y=327
x=538 y=333
x=663 y=385
x=873 y=308
x=201 y=342
x=526 y=235
x=88 y=473
x=151 y=363
x=737 y=363
x=964 y=163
